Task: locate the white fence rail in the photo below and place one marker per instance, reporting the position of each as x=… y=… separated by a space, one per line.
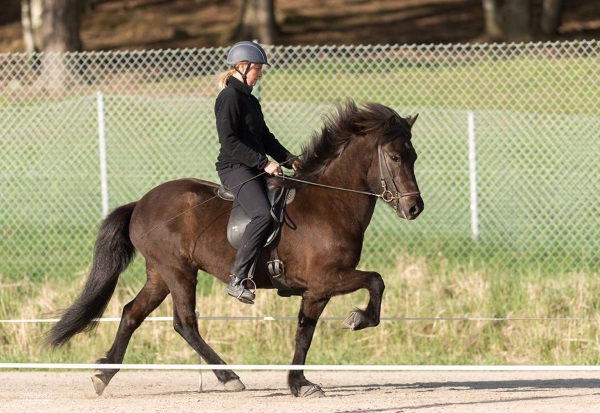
x=508 y=144
x=288 y=367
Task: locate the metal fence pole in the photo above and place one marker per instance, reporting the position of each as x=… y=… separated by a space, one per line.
x=102 y=147
x=473 y=175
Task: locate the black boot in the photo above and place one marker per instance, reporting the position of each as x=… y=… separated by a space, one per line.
x=236 y=289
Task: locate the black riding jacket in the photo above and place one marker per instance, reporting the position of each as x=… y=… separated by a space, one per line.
x=243 y=133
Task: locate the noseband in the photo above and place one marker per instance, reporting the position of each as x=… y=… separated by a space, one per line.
x=387 y=195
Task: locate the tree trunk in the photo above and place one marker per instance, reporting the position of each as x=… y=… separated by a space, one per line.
x=60 y=33
x=31 y=21
x=257 y=22
x=493 y=19
x=60 y=29
x=551 y=16
x=517 y=20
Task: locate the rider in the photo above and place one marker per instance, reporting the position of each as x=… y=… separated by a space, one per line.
x=245 y=143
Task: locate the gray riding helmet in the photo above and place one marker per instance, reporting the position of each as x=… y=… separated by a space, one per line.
x=246 y=51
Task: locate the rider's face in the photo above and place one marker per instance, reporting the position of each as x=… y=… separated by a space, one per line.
x=254 y=74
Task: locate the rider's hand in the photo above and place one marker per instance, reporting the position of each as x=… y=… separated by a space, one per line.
x=272 y=168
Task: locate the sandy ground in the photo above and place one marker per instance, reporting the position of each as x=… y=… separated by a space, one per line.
x=436 y=391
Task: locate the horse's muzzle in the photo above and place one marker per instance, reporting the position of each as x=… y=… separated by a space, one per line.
x=411 y=207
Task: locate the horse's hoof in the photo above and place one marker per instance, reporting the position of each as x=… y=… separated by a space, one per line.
x=234 y=385
x=353 y=321
x=312 y=390
x=100 y=382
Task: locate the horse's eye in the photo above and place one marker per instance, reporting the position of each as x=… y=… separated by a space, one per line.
x=395 y=158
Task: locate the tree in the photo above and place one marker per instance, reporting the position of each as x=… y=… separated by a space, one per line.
x=517 y=20
x=31 y=21
x=257 y=22
x=60 y=34
x=493 y=19
x=51 y=25
x=511 y=20
x=551 y=16
x=61 y=25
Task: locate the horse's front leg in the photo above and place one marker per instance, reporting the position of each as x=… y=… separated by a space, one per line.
x=372 y=281
x=310 y=311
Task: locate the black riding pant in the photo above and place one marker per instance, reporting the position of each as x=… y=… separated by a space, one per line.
x=250 y=192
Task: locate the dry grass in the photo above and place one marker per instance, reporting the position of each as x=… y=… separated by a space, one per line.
x=551 y=320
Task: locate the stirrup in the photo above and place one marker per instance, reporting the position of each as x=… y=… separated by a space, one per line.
x=253 y=290
x=241 y=292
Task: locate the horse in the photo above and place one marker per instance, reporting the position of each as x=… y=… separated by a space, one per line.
x=363 y=153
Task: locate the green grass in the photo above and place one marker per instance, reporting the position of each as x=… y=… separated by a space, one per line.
x=566 y=86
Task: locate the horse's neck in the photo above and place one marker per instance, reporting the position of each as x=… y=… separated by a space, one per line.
x=350 y=208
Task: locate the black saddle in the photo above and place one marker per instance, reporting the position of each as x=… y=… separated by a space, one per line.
x=238 y=220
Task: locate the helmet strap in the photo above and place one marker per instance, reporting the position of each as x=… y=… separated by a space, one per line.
x=245 y=74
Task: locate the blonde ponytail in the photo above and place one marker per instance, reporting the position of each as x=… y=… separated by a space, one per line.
x=222 y=78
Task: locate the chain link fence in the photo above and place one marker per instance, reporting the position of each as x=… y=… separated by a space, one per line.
x=507 y=139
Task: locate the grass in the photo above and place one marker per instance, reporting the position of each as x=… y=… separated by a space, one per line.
x=550 y=320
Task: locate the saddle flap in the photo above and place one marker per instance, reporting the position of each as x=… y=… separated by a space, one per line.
x=238 y=220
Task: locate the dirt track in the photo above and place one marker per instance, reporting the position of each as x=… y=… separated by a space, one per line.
x=166 y=391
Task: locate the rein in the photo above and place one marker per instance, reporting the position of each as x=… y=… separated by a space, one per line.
x=386 y=195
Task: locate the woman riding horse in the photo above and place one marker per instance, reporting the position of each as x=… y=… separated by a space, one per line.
x=245 y=143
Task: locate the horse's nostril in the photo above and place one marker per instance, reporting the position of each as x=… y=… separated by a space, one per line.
x=414 y=211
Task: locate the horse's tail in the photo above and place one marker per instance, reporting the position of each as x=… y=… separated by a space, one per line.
x=113 y=253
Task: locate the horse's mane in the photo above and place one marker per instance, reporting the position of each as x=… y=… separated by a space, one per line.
x=348 y=122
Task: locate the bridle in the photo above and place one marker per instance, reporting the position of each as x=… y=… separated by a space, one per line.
x=386 y=195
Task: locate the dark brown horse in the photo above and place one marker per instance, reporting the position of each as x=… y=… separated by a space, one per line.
x=179 y=227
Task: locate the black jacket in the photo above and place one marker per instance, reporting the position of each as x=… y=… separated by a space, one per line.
x=243 y=133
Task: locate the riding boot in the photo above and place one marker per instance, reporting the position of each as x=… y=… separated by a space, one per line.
x=236 y=289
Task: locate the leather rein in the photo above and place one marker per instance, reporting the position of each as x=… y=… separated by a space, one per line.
x=386 y=195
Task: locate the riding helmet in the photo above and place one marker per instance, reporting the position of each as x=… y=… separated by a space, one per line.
x=246 y=51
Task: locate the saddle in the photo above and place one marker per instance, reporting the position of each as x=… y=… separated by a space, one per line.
x=238 y=220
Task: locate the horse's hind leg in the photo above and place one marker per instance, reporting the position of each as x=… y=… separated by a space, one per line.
x=152 y=294
x=183 y=292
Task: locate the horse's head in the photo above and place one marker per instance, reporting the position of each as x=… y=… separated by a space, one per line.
x=392 y=172
x=373 y=129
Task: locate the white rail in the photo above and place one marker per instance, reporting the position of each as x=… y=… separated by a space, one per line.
x=323 y=367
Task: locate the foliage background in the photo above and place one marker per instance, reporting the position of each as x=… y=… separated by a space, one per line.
x=151 y=24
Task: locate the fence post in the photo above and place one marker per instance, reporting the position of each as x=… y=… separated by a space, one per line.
x=473 y=175
x=102 y=146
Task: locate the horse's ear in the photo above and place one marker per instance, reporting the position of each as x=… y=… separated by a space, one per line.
x=412 y=119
